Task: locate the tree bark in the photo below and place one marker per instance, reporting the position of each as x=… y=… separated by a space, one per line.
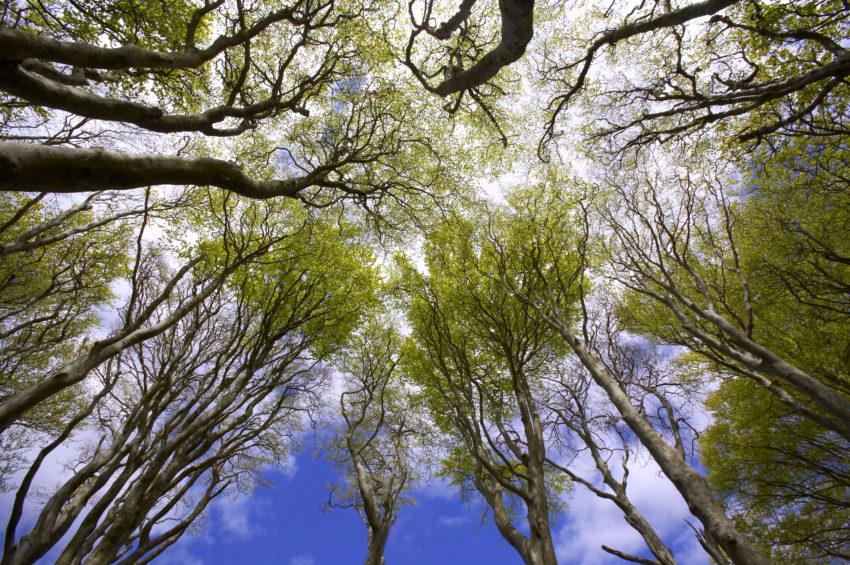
x=375 y=547
x=517 y=31
x=41 y=91
x=759 y=359
x=690 y=484
x=16 y=45
x=27 y=167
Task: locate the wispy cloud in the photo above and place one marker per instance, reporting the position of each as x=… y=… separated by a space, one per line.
x=235 y=516
x=453 y=521
x=178 y=555
x=303 y=559
x=436 y=488
x=593 y=522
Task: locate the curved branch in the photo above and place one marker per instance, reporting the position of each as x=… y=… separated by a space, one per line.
x=517 y=31
x=16 y=45
x=27 y=167
x=448 y=27
x=665 y=20
x=44 y=92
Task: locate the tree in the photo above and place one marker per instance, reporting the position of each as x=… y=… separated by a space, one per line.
x=377 y=436
x=221 y=168
x=782 y=477
x=763 y=69
x=748 y=275
x=517 y=29
x=148 y=311
x=57 y=266
x=479 y=353
x=208 y=72
x=550 y=276
x=787 y=483
x=678 y=252
x=198 y=408
x=581 y=425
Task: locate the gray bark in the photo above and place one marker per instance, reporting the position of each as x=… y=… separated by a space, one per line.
x=41 y=91
x=690 y=484
x=16 y=46
x=517 y=31
x=27 y=167
x=760 y=359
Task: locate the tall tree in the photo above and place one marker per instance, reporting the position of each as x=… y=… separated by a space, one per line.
x=378 y=434
x=675 y=245
x=582 y=425
x=479 y=353
x=148 y=309
x=550 y=274
x=198 y=408
x=747 y=68
x=58 y=265
x=784 y=473
x=763 y=68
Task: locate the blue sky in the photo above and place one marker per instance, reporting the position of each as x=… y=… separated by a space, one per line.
x=288 y=525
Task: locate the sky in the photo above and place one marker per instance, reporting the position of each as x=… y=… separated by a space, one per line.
x=289 y=525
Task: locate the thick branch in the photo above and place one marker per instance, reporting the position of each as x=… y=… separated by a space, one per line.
x=42 y=91
x=517 y=31
x=16 y=45
x=26 y=168
x=448 y=27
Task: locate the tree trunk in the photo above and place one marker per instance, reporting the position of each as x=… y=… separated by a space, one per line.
x=690 y=484
x=375 y=546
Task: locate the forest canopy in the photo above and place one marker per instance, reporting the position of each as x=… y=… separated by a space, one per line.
x=523 y=250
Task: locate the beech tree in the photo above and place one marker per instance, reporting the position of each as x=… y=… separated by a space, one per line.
x=308 y=116
x=198 y=409
x=795 y=204
x=58 y=266
x=378 y=434
x=750 y=69
x=584 y=425
x=147 y=311
x=479 y=354
x=754 y=68
x=679 y=250
x=52 y=279
x=550 y=276
x=60 y=261
x=772 y=261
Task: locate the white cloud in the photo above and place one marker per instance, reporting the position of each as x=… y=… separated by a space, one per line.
x=234 y=516
x=436 y=487
x=592 y=522
x=178 y=554
x=289 y=468
x=303 y=559
x=453 y=521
